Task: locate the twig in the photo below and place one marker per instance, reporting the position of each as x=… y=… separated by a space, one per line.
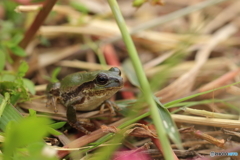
x=210 y=114
x=31 y=32
x=225 y=123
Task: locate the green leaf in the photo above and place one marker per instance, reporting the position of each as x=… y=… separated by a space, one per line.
x=2 y=60
x=168 y=123
x=78 y=6
x=4 y=102
x=55 y=74
x=8 y=78
x=16 y=39
x=57 y=125
x=50 y=130
x=16 y=85
x=130 y=72
x=29 y=85
x=9 y=114
x=37 y=151
x=32 y=113
x=15 y=89
x=23 y=68
x=138 y=3
x=17 y=50
x=20 y=134
x=53 y=131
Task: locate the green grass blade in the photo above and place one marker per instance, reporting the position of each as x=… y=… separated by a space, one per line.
x=145 y=87
x=195 y=95
x=4 y=102
x=9 y=114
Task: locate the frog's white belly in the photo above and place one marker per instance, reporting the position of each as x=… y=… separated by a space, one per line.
x=92 y=101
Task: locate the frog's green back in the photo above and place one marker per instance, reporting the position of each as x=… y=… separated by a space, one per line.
x=72 y=81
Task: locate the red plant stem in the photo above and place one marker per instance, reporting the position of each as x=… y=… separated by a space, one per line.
x=31 y=32
x=40 y=18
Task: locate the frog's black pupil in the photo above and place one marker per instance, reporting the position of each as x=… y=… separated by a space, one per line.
x=102 y=78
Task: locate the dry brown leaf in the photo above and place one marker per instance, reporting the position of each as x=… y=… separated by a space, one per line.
x=109 y=129
x=141 y=132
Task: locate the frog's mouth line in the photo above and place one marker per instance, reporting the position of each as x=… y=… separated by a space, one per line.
x=92 y=92
x=89 y=89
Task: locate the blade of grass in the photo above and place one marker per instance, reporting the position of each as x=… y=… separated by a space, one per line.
x=142 y=79
x=4 y=103
x=209 y=114
x=166 y=105
x=98 y=52
x=9 y=114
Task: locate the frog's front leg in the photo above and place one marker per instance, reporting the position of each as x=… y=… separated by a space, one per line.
x=53 y=95
x=72 y=120
x=52 y=101
x=72 y=116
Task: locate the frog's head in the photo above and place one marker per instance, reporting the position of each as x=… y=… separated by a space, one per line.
x=108 y=80
x=103 y=85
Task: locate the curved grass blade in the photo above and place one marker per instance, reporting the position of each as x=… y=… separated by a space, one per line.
x=168 y=123
x=167 y=105
x=9 y=114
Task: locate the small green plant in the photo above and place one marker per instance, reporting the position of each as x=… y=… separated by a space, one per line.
x=21 y=143
x=54 y=75
x=15 y=89
x=17 y=86
x=10 y=34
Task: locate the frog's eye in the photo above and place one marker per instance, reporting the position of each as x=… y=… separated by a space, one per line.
x=115 y=69
x=102 y=78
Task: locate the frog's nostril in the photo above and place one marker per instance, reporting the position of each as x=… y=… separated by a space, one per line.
x=120 y=81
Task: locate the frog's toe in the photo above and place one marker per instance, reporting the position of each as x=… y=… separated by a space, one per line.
x=55 y=110
x=48 y=103
x=52 y=102
x=112 y=111
x=111 y=106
